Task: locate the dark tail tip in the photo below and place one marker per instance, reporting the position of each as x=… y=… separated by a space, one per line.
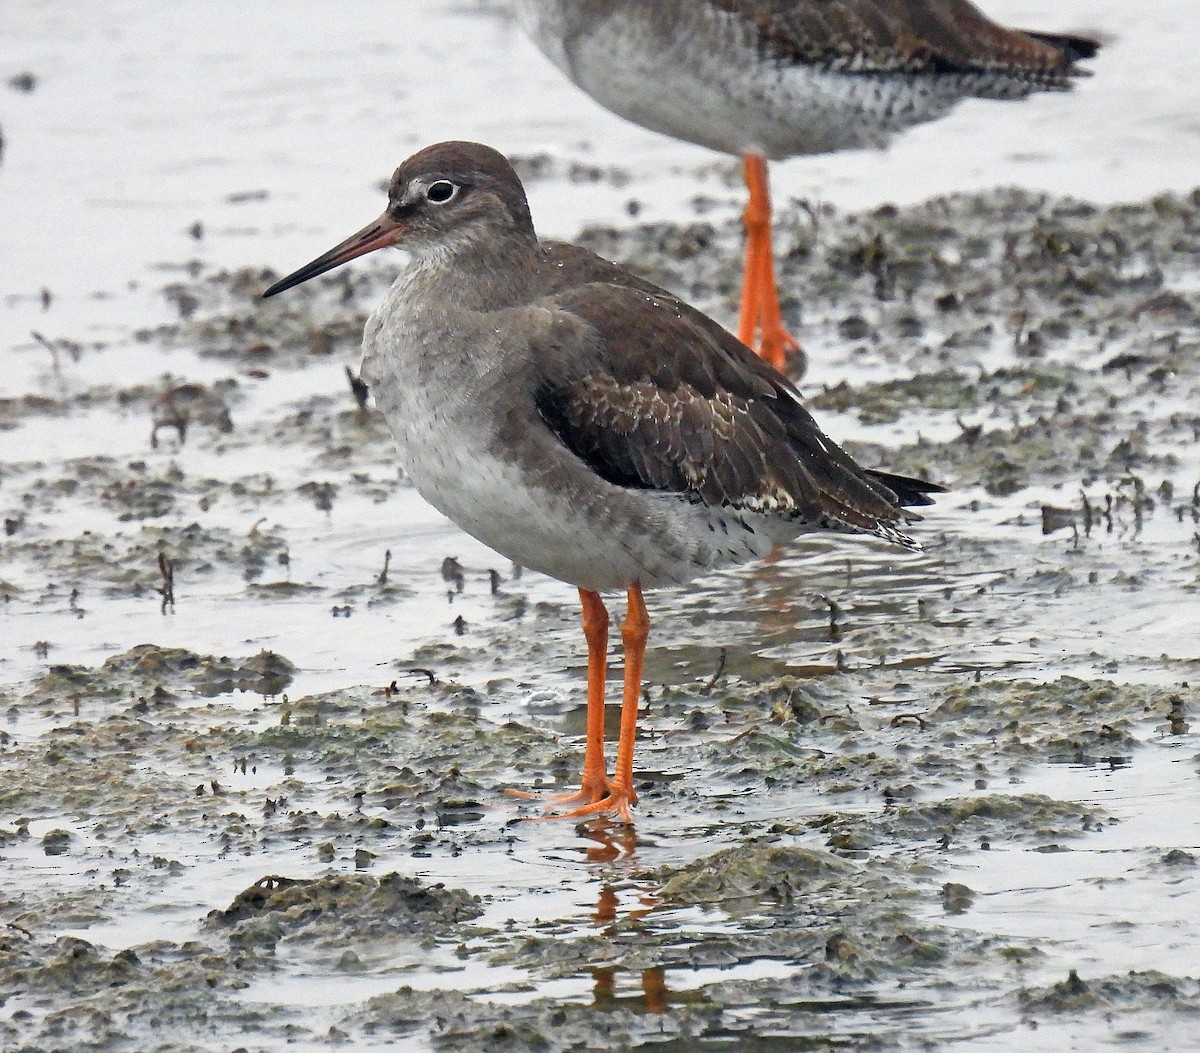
x=1074 y=49
x=911 y=493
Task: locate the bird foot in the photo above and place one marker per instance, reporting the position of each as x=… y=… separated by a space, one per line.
x=590 y=792
x=609 y=797
x=617 y=801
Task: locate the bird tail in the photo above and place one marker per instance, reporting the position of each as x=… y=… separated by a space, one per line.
x=909 y=492
x=1074 y=49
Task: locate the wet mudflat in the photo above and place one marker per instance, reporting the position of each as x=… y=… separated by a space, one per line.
x=262 y=705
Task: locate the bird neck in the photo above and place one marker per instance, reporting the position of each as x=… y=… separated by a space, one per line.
x=480 y=274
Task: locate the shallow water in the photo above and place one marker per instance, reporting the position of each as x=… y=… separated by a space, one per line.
x=953 y=728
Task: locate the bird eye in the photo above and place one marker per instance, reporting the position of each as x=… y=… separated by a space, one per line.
x=441 y=191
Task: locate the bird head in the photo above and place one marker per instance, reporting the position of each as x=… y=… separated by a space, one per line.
x=442 y=201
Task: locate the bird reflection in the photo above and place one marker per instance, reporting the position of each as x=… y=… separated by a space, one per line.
x=618 y=841
x=654 y=991
x=613 y=840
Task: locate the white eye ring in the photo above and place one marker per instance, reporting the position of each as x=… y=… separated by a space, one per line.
x=441 y=191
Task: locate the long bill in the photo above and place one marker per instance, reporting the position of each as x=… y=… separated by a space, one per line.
x=379 y=234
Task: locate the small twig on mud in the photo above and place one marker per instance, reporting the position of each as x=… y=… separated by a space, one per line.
x=1019 y=320
x=178 y=421
x=712 y=682
x=813 y=212
x=167 y=569
x=835 y=630
x=418 y=671
x=908 y=718
x=452 y=574
x=387 y=560
x=54 y=346
x=49 y=347
x=970 y=432
x=1177 y=717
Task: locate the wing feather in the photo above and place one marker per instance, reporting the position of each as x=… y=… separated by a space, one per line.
x=913 y=36
x=655 y=396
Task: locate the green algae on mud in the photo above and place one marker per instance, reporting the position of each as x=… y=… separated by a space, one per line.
x=344 y=910
x=156 y=670
x=84 y=996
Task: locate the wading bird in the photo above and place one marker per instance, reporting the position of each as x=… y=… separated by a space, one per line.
x=585 y=423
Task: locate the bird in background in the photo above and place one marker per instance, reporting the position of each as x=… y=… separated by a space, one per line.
x=586 y=423
x=770 y=79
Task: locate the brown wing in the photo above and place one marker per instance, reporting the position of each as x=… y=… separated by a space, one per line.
x=933 y=36
x=661 y=398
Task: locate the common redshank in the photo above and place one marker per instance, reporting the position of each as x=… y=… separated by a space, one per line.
x=769 y=79
x=585 y=423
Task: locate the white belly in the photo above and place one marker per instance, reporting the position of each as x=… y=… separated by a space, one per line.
x=533 y=501
x=475 y=447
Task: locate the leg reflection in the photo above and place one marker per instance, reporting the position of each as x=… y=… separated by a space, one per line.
x=613 y=840
x=654 y=995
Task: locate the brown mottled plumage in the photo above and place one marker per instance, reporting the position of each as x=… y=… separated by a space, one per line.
x=644 y=409
x=905 y=36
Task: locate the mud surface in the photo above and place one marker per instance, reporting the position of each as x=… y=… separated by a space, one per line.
x=262 y=705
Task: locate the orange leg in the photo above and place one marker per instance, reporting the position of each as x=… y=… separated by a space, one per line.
x=760 y=315
x=595 y=631
x=755 y=219
x=595 y=779
x=634 y=632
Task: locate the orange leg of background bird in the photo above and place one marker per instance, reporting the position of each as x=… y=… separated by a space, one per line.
x=753 y=219
x=634 y=632
x=760 y=318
